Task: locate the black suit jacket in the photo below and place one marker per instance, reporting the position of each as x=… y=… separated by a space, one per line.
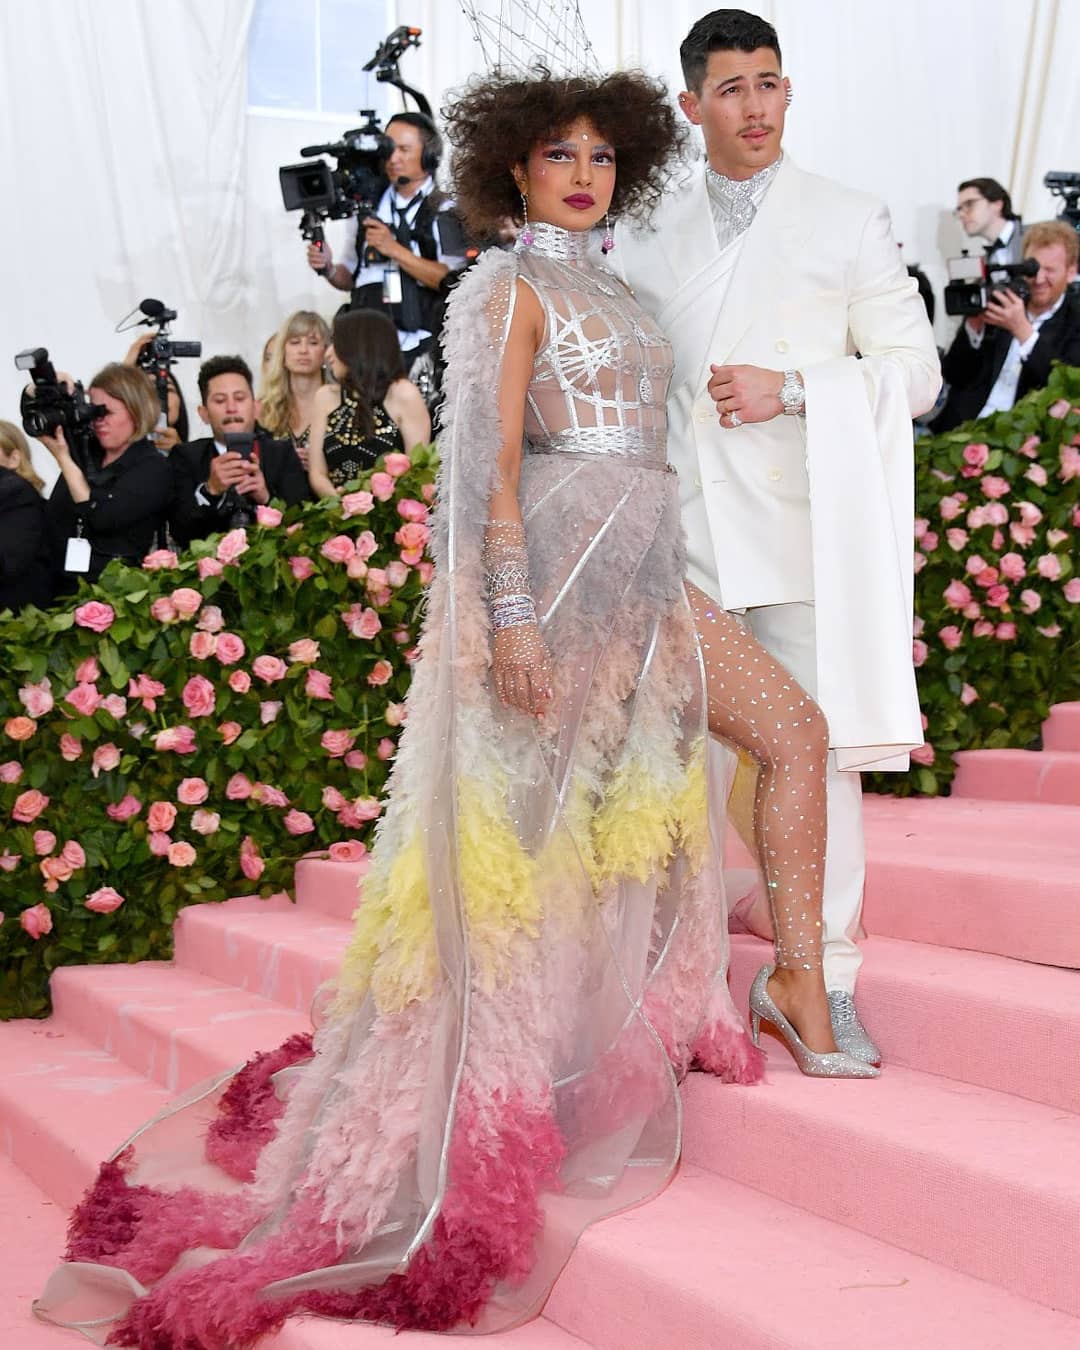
x=27 y=546
x=972 y=371
x=190 y=463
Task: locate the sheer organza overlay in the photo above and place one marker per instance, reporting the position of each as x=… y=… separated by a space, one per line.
x=540 y=950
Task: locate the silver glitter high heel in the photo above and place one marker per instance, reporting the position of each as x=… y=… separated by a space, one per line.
x=834 y=1064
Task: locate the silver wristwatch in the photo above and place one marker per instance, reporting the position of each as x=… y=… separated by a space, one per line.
x=792 y=394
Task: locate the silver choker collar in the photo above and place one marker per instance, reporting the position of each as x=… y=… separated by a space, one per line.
x=552 y=241
x=739 y=189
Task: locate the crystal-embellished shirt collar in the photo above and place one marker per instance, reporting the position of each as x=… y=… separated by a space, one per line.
x=552 y=241
x=734 y=202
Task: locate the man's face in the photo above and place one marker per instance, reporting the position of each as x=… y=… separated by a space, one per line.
x=230 y=406
x=404 y=162
x=740 y=110
x=1054 y=274
x=977 y=215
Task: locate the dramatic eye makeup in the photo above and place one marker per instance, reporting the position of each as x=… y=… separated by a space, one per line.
x=601 y=154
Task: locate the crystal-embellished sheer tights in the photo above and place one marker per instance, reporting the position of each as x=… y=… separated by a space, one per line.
x=754 y=703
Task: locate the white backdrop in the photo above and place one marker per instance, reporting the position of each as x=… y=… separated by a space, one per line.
x=134 y=167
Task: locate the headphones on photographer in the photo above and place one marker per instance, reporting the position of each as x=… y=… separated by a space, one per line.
x=432 y=152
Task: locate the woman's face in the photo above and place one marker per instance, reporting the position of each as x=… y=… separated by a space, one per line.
x=10 y=459
x=304 y=353
x=116 y=430
x=569 y=180
x=338 y=368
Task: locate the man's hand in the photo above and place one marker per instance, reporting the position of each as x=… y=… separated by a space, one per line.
x=254 y=485
x=746 y=394
x=229 y=470
x=319 y=257
x=379 y=236
x=165 y=438
x=1006 y=310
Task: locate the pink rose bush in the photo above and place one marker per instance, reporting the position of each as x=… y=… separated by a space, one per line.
x=997 y=590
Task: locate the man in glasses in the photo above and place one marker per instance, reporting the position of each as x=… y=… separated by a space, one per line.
x=984 y=209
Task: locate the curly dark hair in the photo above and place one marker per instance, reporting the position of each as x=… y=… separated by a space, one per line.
x=494 y=123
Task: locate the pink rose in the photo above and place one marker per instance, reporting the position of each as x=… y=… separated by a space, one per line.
x=106 y=757
x=364 y=624
x=361 y=811
x=181 y=854
x=163 y=610
x=412 y=655
x=12 y=771
x=1029 y=513
x=251 y=864
x=397 y=574
x=386 y=749
x=230 y=649
x=161 y=816
x=1036 y=474
x=356 y=760
x=957 y=539
x=412 y=536
x=382 y=486
x=1070 y=463
x=929 y=541
x=397 y=464
x=36 y=921
x=191 y=792
x=919 y=562
x=73 y=854
x=919 y=652
x=974 y=565
x=1052 y=630
x=180 y=739
x=396 y=713
x=923 y=754
x=28 y=806
x=950 y=508
x=332 y=799
x=87 y=671
x=202 y=645
x=239 y=681
x=268 y=711
x=268 y=516
x=1072 y=591
x=9 y=861
x=302 y=568
x=347 y=851
x=143 y=687
x=337 y=743
x=104 y=901
x=978 y=517
x=982 y=629
x=950 y=637
x=186 y=601
x=1049 y=566
x=299 y=822
x=238 y=788
x=114 y=705
x=972 y=611
x=366 y=545
x=269 y=669
x=1021 y=535
x=356 y=568
x=997 y=597
x=402 y=636
x=411 y=509
x=318 y=685
x=84 y=698
x=36 y=698
x=211 y=620
x=230 y=731
x=356 y=504
x=269 y=795
x=976 y=455
x=921 y=526
x=987 y=577
x=1059 y=409
x=380 y=673
x=994 y=487
x=159 y=844
x=44 y=842
x=161 y=559
x=304 y=651
x=1030 y=601
x=376 y=579
x=426 y=571
x=210 y=567
x=1012 y=566
x=199 y=696
x=1030 y=448
x=205 y=822
x=1005 y=632
x=95 y=616
x=996 y=513
x=339 y=549
x=968 y=695
x=232 y=546
x=124 y=809
x=428 y=492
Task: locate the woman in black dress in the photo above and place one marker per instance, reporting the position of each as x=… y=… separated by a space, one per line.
x=373 y=410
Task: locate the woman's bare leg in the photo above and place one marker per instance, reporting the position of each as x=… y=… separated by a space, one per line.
x=754 y=703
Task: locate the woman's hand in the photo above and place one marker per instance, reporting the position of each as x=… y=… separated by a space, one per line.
x=131 y=356
x=165 y=438
x=57 y=445
x=521 y=669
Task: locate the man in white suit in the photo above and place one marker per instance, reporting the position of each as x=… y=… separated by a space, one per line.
x=802 y=352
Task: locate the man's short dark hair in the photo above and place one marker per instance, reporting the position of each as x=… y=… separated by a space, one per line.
x=223 y=365
x=429 y=132
x=992 y=190
x=724 y=30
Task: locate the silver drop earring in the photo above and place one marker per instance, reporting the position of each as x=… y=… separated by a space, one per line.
x=527 y=235
x=608 y=241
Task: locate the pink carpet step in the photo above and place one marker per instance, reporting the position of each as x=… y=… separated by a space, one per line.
x=326 y=887
x=33 y=1227
x=978 y=1019
x=314 y=1333
x=1061 y=730
x=271 y=948
x=1019 y=776
x=982 y=1182
x=167 y=1023
x=999 y=877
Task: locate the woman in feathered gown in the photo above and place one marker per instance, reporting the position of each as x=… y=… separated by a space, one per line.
x=540 y=951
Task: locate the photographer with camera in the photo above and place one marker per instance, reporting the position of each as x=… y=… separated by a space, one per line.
x=412 y=244
x=220 y=479
x=984 y=210
x=177 y=428
x=1006 y=351
x=114 y=488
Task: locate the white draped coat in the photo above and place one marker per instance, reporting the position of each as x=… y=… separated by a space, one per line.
x=817 y=509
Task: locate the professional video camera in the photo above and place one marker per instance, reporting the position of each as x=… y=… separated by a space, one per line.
x=353 y=186
x=973 y=281
x=53 y=404
x=1067 y=187
x=162 y=351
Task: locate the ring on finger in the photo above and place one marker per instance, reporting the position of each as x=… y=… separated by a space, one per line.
x=734 y=420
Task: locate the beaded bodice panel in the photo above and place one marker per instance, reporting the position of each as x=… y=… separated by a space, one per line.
x=601 y=377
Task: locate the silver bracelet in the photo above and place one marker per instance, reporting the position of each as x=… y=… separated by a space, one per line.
x=512 y=610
